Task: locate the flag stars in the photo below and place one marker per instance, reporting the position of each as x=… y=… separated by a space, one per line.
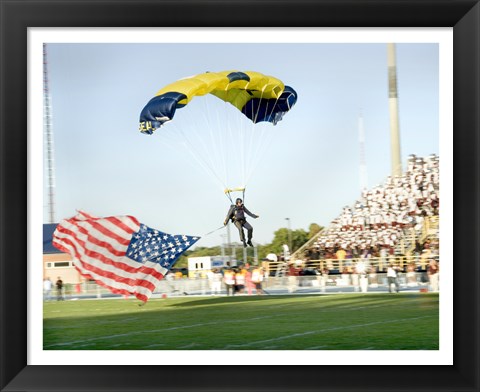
x=158 y=247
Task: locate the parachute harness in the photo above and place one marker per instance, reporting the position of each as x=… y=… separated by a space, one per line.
x=229 y=191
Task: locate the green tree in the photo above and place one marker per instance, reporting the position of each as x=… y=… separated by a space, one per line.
x=313 y=230
x=281 y=237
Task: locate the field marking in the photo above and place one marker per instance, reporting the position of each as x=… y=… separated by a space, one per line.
x=230 y=346
x=152 y=331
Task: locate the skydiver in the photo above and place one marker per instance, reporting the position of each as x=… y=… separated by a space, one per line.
x=236 y=214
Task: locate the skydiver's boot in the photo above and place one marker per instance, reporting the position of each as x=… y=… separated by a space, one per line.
x=244 y=244
x=250 y=242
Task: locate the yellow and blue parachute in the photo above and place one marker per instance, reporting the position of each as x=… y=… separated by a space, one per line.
x=259 y=97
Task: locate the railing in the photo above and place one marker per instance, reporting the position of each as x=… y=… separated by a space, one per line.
x=430 y=227
x=311 y=284
x=337 y=266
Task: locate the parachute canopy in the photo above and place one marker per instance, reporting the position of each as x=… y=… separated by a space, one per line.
x=259 y=97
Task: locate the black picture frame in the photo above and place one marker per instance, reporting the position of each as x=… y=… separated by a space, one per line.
x=17 y=16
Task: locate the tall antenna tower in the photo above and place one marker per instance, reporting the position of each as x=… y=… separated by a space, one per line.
x=393 y=104
x=363 y=163
x=48 y=133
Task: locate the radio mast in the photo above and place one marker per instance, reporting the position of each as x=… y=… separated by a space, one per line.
x=48 y=134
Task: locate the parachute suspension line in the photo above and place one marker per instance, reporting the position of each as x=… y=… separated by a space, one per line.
x=254 y=130
x=229 y=141
x=191 y=147
x=203 y=164
x=254 y=135
x=207 y=151
x=225 y=120
x=234 y=141
x=265 y=138
x=216 y=132
x=243 y=155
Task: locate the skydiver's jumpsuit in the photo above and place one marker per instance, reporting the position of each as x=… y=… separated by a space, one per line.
x=237 y=215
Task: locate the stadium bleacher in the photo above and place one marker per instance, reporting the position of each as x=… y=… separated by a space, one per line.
x=398 y=219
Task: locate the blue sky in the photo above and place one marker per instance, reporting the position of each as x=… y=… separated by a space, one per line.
x=309 y=170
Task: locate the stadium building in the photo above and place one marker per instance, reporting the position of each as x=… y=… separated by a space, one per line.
x=56 y=263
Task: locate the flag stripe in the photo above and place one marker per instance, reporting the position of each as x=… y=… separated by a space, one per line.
x=81 y=232
x=120 y=263
x=98 y=247
x=129 y=282
x=140 y=296
x=109 y=233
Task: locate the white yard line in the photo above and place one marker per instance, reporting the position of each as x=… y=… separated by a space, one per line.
x=152 y=331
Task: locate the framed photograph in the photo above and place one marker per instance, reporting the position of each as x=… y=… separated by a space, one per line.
x=32 y=361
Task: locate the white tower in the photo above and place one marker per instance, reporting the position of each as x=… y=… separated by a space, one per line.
x=363 y=163
x=393 y=103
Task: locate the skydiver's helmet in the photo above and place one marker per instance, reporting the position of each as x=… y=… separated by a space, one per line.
x=238 y=201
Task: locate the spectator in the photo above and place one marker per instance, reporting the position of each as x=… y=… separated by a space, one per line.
x=248 y=279
x=59 y=285
x=324 y=280
x=392 y=278
x=215 y=279
x=411 y=275
x=240 y=275
x=292 y=277
x=361 y=271
x=383 y=214
x=47 y=289
x=257 y=279
x=373 y=277
x=433 y=273
x=229 y=280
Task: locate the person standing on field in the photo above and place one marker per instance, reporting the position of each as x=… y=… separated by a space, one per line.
x=392 y=279
x=59 y=285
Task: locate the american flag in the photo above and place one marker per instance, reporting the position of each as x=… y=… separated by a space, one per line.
x=120 y=253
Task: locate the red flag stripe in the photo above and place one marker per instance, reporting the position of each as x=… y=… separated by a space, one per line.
x=84 y=237
x=107 y=232
x=132 y=281
x=140 y=296
x=129 y=225
x=123 y=263
x=107 y=246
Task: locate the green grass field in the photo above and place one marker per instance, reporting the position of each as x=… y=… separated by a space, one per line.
x=405 y=321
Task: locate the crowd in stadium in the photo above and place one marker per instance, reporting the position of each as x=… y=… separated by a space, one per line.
x=380 y=217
